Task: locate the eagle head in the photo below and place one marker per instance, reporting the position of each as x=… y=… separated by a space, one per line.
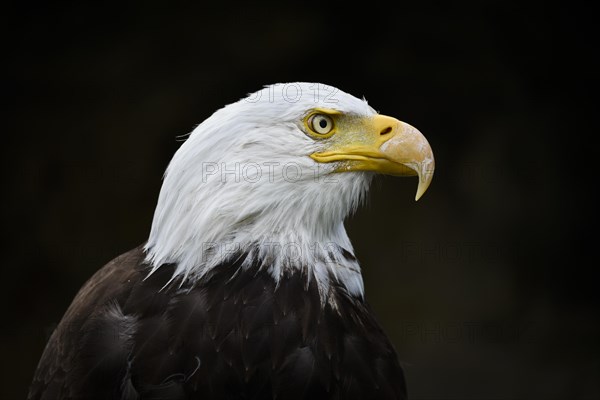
x=270 y=179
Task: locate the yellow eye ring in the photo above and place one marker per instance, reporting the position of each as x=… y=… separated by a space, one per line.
x=321 y=124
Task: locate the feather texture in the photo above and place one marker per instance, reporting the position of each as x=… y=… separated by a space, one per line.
x=237 y=334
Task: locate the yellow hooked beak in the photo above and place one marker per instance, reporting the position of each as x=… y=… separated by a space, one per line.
x=381 y=144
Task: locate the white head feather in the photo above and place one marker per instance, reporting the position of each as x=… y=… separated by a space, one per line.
x=243 y=182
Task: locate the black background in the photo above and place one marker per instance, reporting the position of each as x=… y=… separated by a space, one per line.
x=486 y=286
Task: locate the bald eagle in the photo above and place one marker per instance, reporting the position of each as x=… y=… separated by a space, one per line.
x=248 y=286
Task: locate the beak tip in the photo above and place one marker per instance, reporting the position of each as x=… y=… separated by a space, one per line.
x=424 y=181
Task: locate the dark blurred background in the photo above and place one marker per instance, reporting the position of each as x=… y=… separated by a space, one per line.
x=486 y=286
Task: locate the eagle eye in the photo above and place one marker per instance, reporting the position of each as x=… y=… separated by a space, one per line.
x=320 y=123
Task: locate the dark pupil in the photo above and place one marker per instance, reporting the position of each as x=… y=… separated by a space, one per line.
x=323 y=123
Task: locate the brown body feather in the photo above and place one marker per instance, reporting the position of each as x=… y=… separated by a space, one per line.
x=230 y=336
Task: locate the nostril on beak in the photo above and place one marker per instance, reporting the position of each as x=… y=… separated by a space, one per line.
x=385 y=131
